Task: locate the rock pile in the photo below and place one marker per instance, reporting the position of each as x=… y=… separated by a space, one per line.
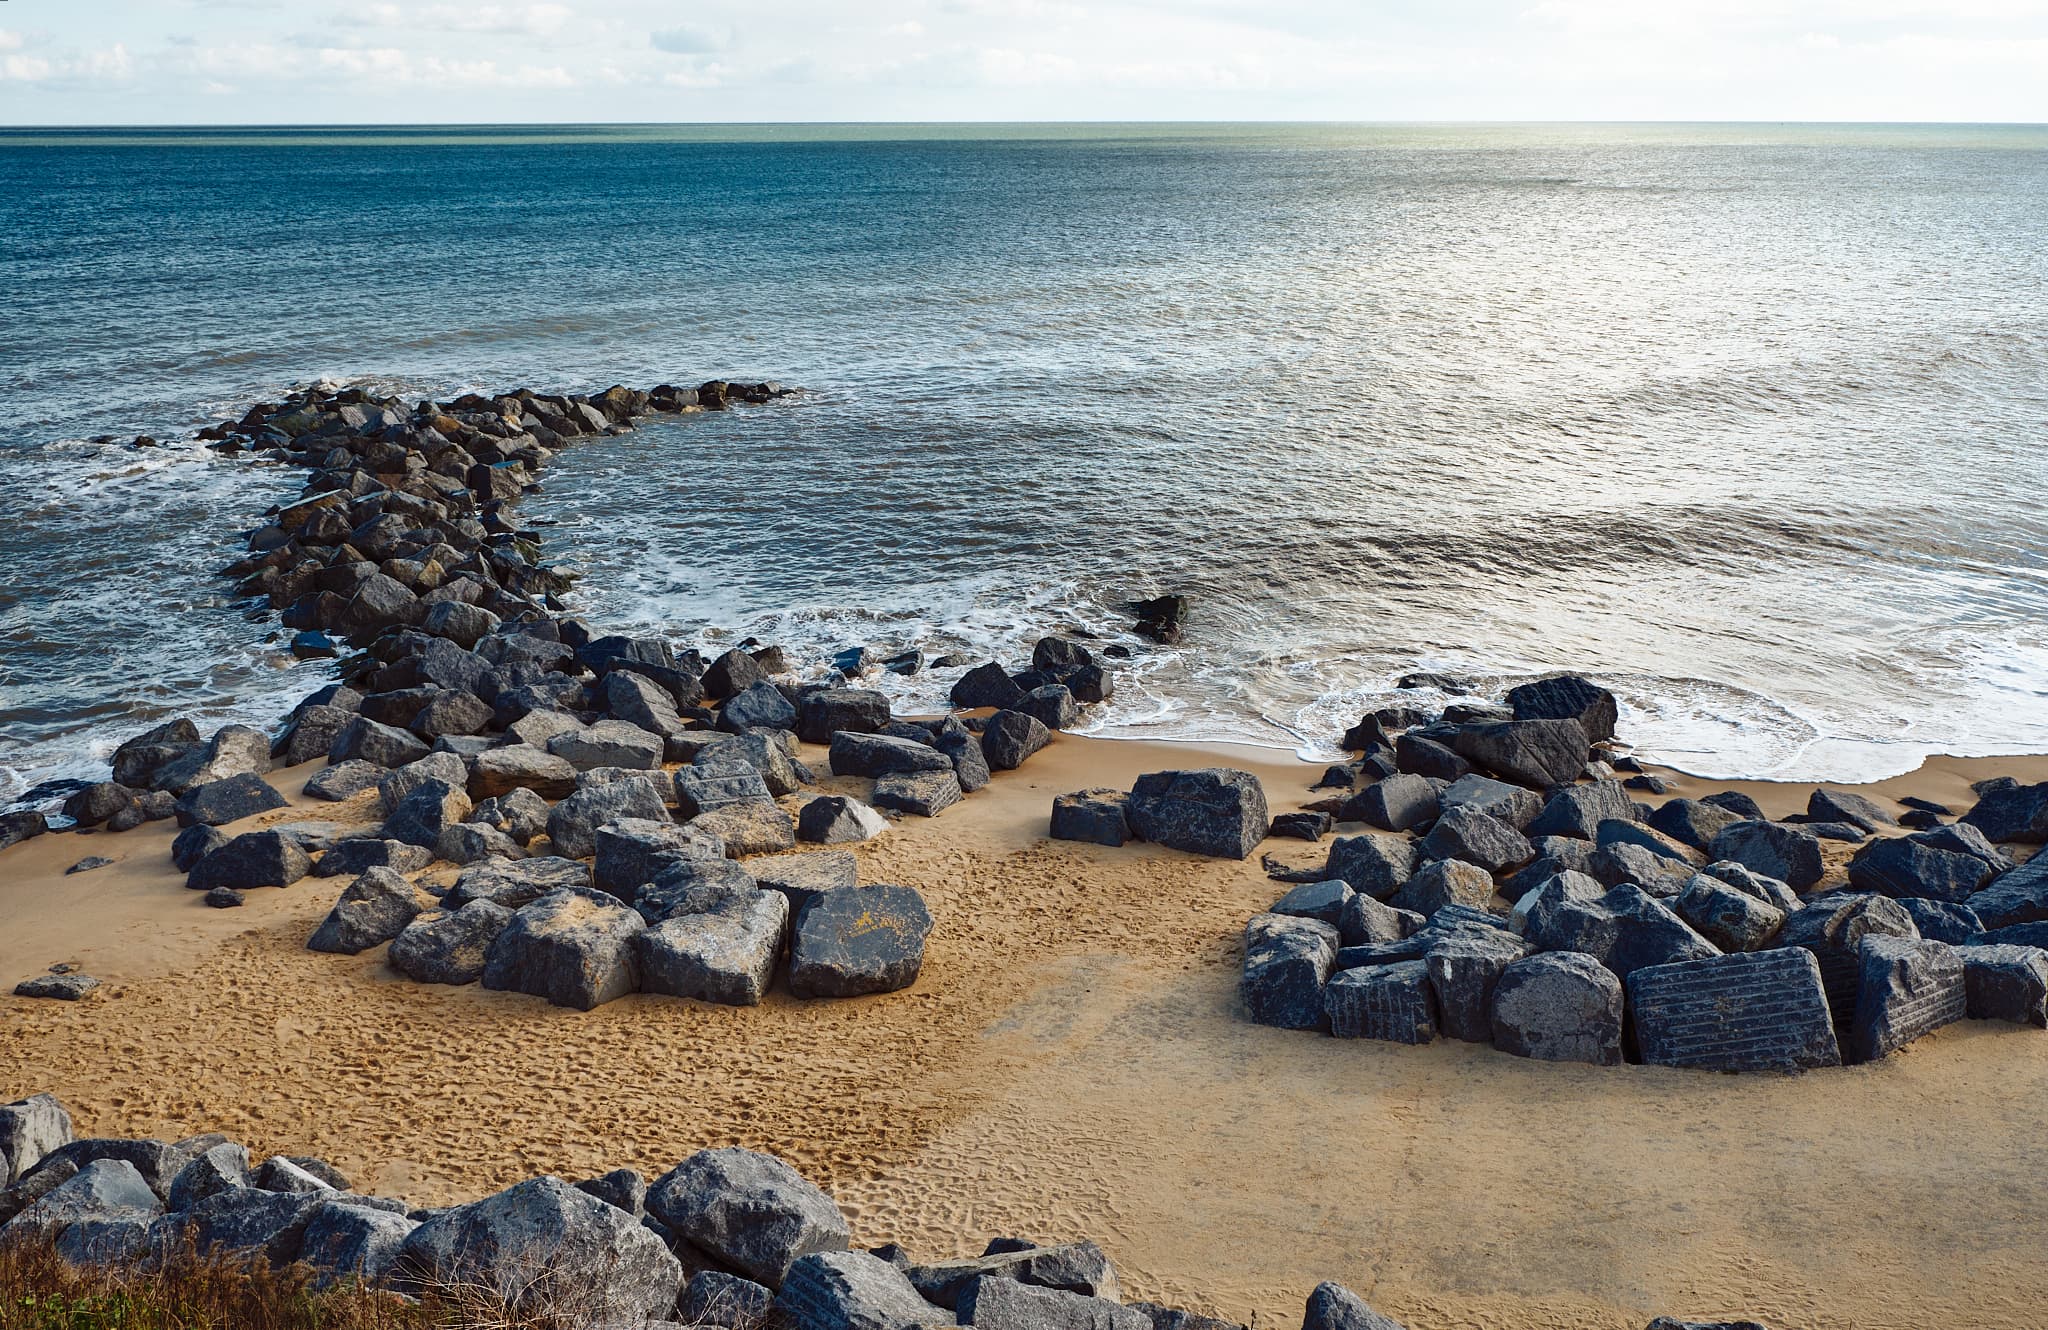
x=1507 y=887
x=728 y=1238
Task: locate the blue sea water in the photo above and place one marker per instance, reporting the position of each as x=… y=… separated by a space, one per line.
x=1748 y=421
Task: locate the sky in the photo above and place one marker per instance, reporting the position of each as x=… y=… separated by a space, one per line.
x=137 y=62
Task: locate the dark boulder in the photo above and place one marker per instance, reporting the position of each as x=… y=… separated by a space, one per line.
x=2006 y=983
x=1578 y=810
x=2012 y=813
x=1567 y=697
x=1731 y=919
x=1053 y=705
x=573 y=947
x=375 y=743
x=849 y=1290
x=1287 y=960
x=1213 y=810
x=1477 y=838
x=1095 y=816
x=759 y=706
x=1907 y=866
x=449 y=947
x=831 y=710
x=1559 y=1006
x=882 y=755
x=857 y=940
x=573 y=823
x=726 y=954
x=1421 y=755
x=749 y=1211
x=1464 y=967
x=253 y=859
x=1536 y=753
x=373 y=909
x=1394 y=1002
x=1757 y=1011
x=358 y=854
x=1374 y=864
x=1323 y=901
x=925 y=793
x=1693 y=822
x=987 y=685
x=220 y=802
x=1401 y=802
x=835 y=819
x=732 y=674
x=1907 y=987
x=1851 y=808
x=1444 y=882
x=1787 y=853
x=1625 y=930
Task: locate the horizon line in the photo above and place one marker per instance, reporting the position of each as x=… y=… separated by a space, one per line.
x=1006 y=123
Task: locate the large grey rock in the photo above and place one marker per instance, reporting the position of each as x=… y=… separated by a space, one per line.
x=2014 y=813
x=858 y=940
x=249 y=1222
x=1393 y=1002
x=1625 y=930
x=499 y=771
x=764 y=752
x=547 y=1249
x=2006 y=983
x=373 y=909
x=924 y=793
x=803 y=875
x=1558 y=1006
x=378 y=744
x=1400 y=802
x=1909 y=867
x=831 y=710
x=1907 y=987
x=1287 y=960
x=1464 y=967
x=573 y=947
x=217 y=803
x=233 y=750
x=253 y=859
x=1445 y=882
x=356 y=855
x=572 y=826
x=1334 y=1307
x=1077 y=1267
x=1732 y=920
x=1773 y=849
x=1693 y=822
x=1374 y=864
x=471 y=842
x=642 y=703
x=519 y=815
x=1567 y=697
x=1756 y=1011
x=962 y=748
x=760 y=706
x=1053 y=705
x=1477 y=838
x=750 y=1211
x=1365 y=920
x=346 y=1243
x=1010 y=737
x=724 y=1301
x=446 y=768
x=609 y=743
x=218 y=1168
x=1531 y=914
x=701 y=789
x=1578 y=810
x=30 y=1129
x=343 y=780
x=993 y=1302
x=137 y=761
x=748 y=828
x=633 y=851
x=100 y=1189
x=1099 y=817
x=848 y=1290
x=1942 y=922
x=1833 y=928
x=1325 y=901
x=1850 y=807
x=987 y=685
x=854 y=754
x=1749 y=882
x=1496 y=798
x=2017 y=897
x=516 y=883
x=1536 y=753
x=692 y=886
x=426 y=813
x=726 y=954
x=449 y=947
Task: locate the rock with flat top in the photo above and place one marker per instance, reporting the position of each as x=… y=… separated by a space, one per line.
x=499 y=771
x=1558 y=1006
x=573 y=947
x=573 y=824
x=252 y=859
x=924 y=793
x=220 y=802
x=373 y=909
x=1907 y=987
x=749 y=1211
x=848 y=1290
x=856 y=940
x=1754 y=1011
x=449 y=946
x=1393 y=1002
x=1098 y=817
x=726 y=954
x=1535 y=753
x=1010 y=737
x=1287 y=960
x=994 y=1302
x=1774 y=849
x=1213 y=810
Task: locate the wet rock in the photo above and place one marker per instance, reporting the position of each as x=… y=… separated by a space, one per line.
x=137 y=761
x=97 y=802
x=1729 y=918
x=1375 y=865
x=1053 y=705
x=253 y=859
x=1536 y=753
x=1787 y=853
x=373 y=909
x=858 y=940
x=1010 y=738
x=1567 y=697
x=732 y=674
x=1578 y=810
x=573 y=947
x=545 y=1248
x=443 y=947
x=1478 y=838
x=844 y=1290
x=1213 y=811
x=725 y=955
x=1098 y=817
x=220 y=802
x=750 y=1212
x=1398 y=803
x=1757 y=1011
x=573 y=824
x=1907 y=987
x=831 y=710
x=1392 y=1002
x=987 y=685
x=516 y=883
x=1422 y=756
x=1287 y=962
x=834 y=819
x=925 y=793
x=1445 y=882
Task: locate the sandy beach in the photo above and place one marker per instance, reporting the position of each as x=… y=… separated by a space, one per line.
x=1072 y=1063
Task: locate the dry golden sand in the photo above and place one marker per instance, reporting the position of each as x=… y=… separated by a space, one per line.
x=1072 y=1063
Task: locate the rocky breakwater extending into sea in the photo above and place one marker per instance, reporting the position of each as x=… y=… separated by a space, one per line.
x=729 y=1238
x=627 y=817
x=1511 y=885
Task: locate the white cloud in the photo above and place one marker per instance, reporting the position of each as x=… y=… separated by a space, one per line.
x=107 y=64
x=10 y=40
x=535 y=20
x=690 y=39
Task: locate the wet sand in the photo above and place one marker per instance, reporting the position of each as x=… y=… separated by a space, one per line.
x=1073 y=1063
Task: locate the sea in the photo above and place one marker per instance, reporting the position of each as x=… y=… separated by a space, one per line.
x=1748 y=422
